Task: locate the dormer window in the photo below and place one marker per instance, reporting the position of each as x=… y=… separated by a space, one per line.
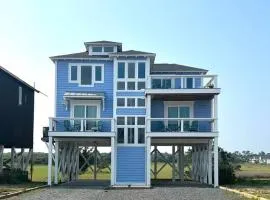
x=97 y=49
x=108 y=49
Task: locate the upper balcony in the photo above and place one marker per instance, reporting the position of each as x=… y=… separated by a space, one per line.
x=186 y=85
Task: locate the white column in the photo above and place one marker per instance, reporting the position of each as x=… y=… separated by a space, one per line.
x=148 y=161
x=210 y=162
x=50 y=162
x=173 y=163
x=216 y=162
x=112 y=161
x=56 y=160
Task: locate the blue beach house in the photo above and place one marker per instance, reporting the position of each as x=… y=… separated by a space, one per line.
x=110 y=97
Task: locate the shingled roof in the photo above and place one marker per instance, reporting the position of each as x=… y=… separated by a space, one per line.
x=132 y=52
x=165 y=67
x=78 y=56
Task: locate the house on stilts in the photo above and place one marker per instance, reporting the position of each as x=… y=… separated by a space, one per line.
x=107 y=97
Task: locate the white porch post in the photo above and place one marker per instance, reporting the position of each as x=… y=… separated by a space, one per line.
x=50 y=162
x=112 y=161
x=148 y=141
x=56 y=160
x=216 y=162
x=210 y=162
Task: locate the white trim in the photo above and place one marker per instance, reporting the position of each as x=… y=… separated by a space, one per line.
x=81 y=134
x=178 y=104
x=184 y=91
x=20 y=91
x=182 y=134
x=93 y=67
x=85 y=103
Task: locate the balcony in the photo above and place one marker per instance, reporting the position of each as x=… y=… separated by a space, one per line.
x=204 y=85
x=182 y=127
x=81 y=127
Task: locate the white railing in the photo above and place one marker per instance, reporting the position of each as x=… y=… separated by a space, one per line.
x=67 y=124
x=167 y=81
x=181 y=124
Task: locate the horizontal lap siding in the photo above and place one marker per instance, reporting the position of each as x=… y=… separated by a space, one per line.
x=202 y=109
x=130 y=165
x=64 y=86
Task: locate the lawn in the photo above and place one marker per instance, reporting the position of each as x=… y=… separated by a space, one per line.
x=253 y=179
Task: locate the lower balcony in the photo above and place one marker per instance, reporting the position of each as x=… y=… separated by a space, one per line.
x=182 y=127
x=81 y=127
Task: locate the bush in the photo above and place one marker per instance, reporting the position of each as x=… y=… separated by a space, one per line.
x=226 y=174
x=13 y=176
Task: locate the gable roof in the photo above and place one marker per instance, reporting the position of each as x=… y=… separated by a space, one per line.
x=78 y=56
x=18 y=79
x=132 y=52
x=166 y=67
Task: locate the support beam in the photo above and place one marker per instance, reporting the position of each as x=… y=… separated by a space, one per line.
x=56 y=160
x=12 y=166
x=173 y=163
x=112 y=161
x=50 y=162
x=210 y=179
x=95 y=163
x=216 y=162
x=180 y=162
x=155 y=162
x=1 y=157
x=148 y=161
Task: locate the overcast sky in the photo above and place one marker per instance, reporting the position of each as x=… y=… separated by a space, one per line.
x=230 y=38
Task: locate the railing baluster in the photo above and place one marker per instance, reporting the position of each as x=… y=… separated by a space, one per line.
x=182 y=125
x=82 y=125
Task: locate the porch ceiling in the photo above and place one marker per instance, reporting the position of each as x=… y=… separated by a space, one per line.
x=104 y=141
x=175 y=141
x=182 y=97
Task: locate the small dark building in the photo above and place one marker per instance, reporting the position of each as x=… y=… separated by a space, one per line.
x=16 y=111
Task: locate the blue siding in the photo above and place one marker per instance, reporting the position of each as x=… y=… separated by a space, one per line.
x=130 y=111
x=198 y=82
x=130 y=165
x=128 y=94
x=64 y=86
x=157 y=109
x=202 y=109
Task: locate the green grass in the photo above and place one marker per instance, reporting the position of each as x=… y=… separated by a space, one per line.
x=249 y=170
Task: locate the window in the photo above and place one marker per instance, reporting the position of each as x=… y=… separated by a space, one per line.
x=156 y=83
x=96 y=49
x=98 y=74
x=130 y=120
x=166 y=84
x=74 y=74
x=141 y=85
x=141 y=137
x=121 y=70
x=20 y=96
x=131 y=70
x=131 y=85
x=121 y=102
x=108 y=49
x=189 y=83
x=141 y=121
x=141 y=70
x=131 y=102
x=130 y=135
x=140 y=102
x=120 y=135
x=121 y=85
x=120 y=120
x=86 y=75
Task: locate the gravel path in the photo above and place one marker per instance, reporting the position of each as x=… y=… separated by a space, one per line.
x=170 y=193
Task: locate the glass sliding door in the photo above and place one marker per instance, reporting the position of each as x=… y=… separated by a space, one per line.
x=91 y=112
x=79 y=112
x=184 y=112
x=173 y=113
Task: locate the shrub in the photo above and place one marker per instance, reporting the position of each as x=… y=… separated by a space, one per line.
x=226 y=174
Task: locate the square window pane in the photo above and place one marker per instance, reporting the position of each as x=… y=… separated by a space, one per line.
x=131 y=102
x=141 y=121
x=98 y=72
x=141 y=70
x=121 y=70
x=189 y=82
x=96 y=49
x=141 y=85
x=121 y=102
x=141 y=137
x=130 y=120
x=131 y=70
x=86 y=75
x=141 y=102
x=120 y=135
x=108 y=49
x=120 y=120
x=121 y=85
x=166 y=83
x=74 y=73
x=156 y=83
x=131 y=85
x=130 y=135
